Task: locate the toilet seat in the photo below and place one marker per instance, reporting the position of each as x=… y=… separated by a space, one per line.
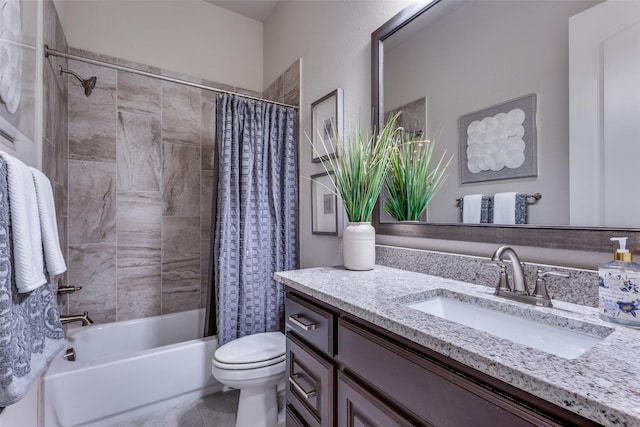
x=251 y=352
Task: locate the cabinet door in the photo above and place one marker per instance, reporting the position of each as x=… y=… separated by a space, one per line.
x=310 y=383
x=426 y=390
x=292 y=419
x=359 y=408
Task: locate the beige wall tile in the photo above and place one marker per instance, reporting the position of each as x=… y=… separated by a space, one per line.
x=92 y=206
x=94 y=268
x=92 y=120
x=139 y=221
x=49 y=160
x=206 y=198
x=180 y=299
x=139 y=292
x=138 y=152
x=205 y=250
x=180 y=253
x=180 y=114
x=139 y=94
x=180 y=180
x=60 y=199
x=275 y=90
x=55 y=129
x=291 y=84
x=208 y=134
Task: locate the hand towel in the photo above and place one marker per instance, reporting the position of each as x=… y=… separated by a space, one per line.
x=522 y=209
x=25 y=222
x=504 y=208
x=473 y=215
x=30 y=329
x=472 y=209
x=48 y=224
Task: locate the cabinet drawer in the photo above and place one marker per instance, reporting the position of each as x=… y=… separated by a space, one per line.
x=310 y=383
x=310 y=322
x=358 y=407
x=424 y=388
x=292 y=419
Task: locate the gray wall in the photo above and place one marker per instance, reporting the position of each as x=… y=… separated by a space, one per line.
x=333 y=40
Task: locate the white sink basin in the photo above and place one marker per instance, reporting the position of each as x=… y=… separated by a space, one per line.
x=562 y=342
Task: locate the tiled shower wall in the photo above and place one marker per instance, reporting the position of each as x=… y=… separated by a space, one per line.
x=55 y=142
x=140 y=186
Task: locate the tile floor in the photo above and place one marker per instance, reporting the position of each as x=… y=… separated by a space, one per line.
x=215 y=410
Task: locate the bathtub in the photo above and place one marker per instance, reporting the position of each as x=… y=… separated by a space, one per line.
x=125 y=369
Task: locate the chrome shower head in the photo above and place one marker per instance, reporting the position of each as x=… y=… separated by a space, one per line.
x=87 y=84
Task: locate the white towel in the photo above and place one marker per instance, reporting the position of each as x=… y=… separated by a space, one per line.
x=472 y=209
x=25 y=223
x=48 y=224
x=504 y=208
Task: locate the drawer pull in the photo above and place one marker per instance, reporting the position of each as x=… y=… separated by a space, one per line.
x=298 y=387
x=305 y=326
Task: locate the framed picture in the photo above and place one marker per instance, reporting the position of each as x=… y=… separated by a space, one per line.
x=326 y=209
x=499 y=142
x=326 y=125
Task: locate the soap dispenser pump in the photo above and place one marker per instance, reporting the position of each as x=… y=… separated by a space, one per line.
x=619 y=287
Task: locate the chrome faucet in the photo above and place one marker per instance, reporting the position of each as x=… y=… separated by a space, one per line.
x=84 y=318
x=520 y=291
x=519 y=279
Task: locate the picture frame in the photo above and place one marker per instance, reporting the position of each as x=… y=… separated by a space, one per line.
x=499 y=142
x=326 y=124
x=326 y=206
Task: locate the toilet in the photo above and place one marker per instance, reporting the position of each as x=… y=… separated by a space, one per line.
x=254 y=364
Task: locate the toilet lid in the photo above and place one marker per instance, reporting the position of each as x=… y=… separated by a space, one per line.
x=251 y=351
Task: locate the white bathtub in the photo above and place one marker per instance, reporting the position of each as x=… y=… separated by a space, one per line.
x=125 y=369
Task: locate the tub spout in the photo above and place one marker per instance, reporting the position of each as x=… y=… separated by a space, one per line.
x=84 y=318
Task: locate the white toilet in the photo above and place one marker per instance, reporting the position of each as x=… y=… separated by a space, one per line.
x=254 y=364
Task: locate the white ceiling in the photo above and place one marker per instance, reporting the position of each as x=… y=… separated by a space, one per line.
x=258 y=10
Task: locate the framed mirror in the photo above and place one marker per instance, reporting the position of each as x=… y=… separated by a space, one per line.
x=461 y=57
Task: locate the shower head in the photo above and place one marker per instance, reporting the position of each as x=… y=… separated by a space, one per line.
x=87 y=84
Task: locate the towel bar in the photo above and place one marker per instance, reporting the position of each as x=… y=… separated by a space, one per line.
x=535 y=197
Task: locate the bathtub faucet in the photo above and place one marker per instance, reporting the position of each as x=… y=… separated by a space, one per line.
x=84 y=318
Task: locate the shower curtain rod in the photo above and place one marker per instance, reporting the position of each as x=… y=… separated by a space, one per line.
x=53 y=52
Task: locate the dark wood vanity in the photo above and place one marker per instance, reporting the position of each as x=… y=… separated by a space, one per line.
x=344 y=371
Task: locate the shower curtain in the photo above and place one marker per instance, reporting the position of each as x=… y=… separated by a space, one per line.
x=254 y=232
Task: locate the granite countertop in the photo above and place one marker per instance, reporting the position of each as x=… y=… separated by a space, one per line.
x=602 y=384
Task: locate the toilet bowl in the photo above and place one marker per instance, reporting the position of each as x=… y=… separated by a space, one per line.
x=254 y=364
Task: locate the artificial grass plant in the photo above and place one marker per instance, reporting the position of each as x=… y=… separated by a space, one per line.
x=412 y=181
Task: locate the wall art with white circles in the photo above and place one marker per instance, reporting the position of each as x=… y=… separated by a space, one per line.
x=499 y=142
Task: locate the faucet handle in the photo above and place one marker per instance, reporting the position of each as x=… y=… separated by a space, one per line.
x=503 y=280
x=542 y=274
x=540 y=291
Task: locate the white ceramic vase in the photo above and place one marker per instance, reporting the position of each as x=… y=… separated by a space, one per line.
x=359 y=246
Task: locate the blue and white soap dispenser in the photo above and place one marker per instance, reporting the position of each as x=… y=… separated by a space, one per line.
x=619 y=287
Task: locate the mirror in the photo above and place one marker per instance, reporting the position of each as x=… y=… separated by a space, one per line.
x=442 y=52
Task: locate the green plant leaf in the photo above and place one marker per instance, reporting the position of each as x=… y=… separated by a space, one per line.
x=412 y=181
x=360 y=165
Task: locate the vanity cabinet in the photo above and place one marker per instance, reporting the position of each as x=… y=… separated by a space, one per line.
x=310 y=368
x=358 y=407
x=363 y=375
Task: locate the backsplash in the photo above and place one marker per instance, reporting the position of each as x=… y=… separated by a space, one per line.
x=140 y=187
x=580 y=288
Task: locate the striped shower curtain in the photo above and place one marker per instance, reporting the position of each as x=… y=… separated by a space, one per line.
x=256 y=225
